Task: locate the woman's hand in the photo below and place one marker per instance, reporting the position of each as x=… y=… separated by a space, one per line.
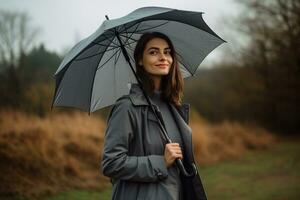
x=172 y=152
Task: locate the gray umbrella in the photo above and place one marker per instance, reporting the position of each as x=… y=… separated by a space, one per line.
x=98 y=70
x=95 y=73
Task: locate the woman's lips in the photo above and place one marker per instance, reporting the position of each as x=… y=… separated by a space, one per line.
x=162 y=65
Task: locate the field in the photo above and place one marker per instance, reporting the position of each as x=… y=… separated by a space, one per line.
x=58 y=157
x=261 y=175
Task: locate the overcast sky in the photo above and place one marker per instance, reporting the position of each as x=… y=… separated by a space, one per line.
x=64 y=22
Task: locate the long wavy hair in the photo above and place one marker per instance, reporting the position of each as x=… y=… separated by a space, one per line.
x=172 y=83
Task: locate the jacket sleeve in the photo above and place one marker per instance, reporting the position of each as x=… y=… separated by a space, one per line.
x=116 y=163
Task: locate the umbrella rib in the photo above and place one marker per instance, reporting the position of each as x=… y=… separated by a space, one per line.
x=78 y=59
x=112 y=41
x=128 y=38
x=129 y=48
x=131 y=58
x=107 y=35
x=106 y=38
x=95 y=73
x=107 y=60
x=103 y=45
x=130 y=54
x=138 y=24
x=129 y=43
x=126 y=33
x=126 y=43
x=117 y=58
x=106 y=50
x=132 y=26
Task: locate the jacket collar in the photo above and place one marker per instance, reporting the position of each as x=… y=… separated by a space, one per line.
x=136 y=96
x=138 y=99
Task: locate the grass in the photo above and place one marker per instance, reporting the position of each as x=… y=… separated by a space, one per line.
x=43 y=156
x=273 y=174
x=82 y=194
x=260 y=175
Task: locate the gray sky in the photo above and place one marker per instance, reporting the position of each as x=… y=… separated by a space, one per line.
x=64 y=22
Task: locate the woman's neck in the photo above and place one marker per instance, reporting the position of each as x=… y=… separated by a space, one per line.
x=156 y=82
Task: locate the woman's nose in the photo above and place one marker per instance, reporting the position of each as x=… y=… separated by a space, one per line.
x=162 y=56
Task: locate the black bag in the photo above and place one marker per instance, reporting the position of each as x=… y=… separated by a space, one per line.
x=192 y=187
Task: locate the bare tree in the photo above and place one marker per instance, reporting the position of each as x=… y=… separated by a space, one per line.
x=17 y=37
x=273 y=27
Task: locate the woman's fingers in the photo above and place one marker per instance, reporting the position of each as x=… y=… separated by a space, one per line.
x=177 y=155
x=173 y=144
x=176 y=152
x=174 y=148
x=172 y=152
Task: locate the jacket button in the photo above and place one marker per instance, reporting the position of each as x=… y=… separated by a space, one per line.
x=160 y=175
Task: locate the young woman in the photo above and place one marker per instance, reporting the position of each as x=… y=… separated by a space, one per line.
x=140 y=164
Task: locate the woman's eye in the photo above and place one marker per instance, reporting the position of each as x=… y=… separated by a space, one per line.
x=168 y=52
x=153 y=52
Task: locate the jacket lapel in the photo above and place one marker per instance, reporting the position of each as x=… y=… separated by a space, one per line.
x=185 y=131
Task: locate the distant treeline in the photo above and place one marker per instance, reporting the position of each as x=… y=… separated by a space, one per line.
x=260 y=84
x=239 y=94
x=29 y=87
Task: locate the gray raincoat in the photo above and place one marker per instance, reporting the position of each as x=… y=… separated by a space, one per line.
x=133 y=149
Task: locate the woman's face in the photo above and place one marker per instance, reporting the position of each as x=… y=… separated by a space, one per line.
x=157 y=59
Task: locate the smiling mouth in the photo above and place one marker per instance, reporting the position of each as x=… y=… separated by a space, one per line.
x=162 y=65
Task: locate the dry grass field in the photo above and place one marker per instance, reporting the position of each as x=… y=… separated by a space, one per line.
x=61 y=152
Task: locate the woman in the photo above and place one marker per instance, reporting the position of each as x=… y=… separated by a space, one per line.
x=135 y=157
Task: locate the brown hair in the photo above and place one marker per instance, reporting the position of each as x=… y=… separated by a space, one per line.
x=171 y=84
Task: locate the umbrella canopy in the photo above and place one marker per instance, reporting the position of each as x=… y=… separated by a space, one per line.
x=95 y=73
